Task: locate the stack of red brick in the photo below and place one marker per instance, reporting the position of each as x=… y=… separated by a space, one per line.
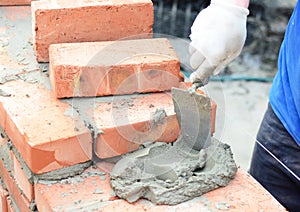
x=46 y=143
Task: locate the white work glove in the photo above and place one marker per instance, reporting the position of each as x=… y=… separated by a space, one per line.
x=217 y=37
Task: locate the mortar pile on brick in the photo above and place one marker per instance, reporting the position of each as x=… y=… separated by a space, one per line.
x=69 y=21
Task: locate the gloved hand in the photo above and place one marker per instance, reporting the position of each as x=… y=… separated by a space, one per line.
x=217 y=37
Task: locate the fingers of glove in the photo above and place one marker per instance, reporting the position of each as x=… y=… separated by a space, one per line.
x=196 y=59
x=192 y=49
x=204 y=71
x=194 y=77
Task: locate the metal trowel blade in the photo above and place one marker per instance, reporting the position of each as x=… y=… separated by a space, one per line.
x=193 y=114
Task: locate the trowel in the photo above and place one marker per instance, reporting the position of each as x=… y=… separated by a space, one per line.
x=193 y=114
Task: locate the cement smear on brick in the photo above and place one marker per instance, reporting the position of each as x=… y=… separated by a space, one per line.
x=65 y=172
x=171 y=174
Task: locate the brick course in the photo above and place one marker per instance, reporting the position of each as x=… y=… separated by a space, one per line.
x=21 y=179
x=95 y=194
x=20 y=200
x=69 y=21
x=41 y=128
x=113 y=68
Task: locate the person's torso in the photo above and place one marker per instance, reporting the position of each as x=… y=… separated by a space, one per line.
x=285 y=91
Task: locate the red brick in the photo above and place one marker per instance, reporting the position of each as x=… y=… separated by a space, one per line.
x=121 y=79
x=46 y=137
x=242 y=194
x=21 y=201
x=83 y=192
x=161 y=76
x=8 y=175
x=109 y=68
x=3 y=202
x=21 y=178
x=16 y=170
x=10 y=206
x=126 y=123
x=3 y=195
x=181 y=75
x=15 y=2
x=95 y=21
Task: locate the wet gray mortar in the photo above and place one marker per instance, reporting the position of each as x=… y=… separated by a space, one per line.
x=130 y=182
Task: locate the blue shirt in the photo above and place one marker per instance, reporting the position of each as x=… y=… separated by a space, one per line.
x=285 y=91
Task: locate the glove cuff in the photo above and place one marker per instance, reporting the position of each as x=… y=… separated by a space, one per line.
x=238 y=10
